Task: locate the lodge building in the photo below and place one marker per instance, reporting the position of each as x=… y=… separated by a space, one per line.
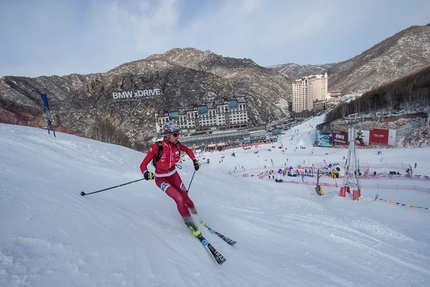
x=218 y=115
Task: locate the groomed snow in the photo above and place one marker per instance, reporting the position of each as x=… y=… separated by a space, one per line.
x=133 y=235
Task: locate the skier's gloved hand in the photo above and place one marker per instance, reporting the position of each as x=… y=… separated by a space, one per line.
x=196 y=164
x=147 y=175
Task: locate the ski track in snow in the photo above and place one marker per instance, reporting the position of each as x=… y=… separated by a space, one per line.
x=133 y=235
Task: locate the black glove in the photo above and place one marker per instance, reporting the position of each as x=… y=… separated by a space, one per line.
x=148 y=175
x=196 y=164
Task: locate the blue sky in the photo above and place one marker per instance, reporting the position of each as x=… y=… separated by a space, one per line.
x=59 y=37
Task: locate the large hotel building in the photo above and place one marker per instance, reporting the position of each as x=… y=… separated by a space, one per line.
x=218 y=115
x=307 y=91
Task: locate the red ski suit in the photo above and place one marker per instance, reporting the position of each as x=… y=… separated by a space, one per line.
x=166 y=176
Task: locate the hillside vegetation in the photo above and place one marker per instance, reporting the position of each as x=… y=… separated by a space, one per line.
x=403 y=104
x=404 y=95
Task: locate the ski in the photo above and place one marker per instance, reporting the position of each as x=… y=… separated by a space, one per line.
x=215 y=254
x=223 y=237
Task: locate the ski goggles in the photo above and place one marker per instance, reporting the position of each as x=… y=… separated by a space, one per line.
x=175 y=134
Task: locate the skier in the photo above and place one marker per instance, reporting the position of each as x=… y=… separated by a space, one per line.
x=165 y=155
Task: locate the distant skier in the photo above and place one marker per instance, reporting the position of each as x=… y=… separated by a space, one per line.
x=166 y=177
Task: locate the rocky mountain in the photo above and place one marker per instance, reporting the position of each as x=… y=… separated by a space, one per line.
x=296 y=71
x=399 y=55
x=86 y=104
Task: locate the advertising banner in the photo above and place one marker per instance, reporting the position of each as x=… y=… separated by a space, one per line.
x=379 y=136
x=392 y=137
x=324 y=139
x=340 y=138
x=362 y=138
x=365 y=136
x=45 y=100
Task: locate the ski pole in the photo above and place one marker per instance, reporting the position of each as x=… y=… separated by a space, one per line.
x=191 y=180
x=83 y=193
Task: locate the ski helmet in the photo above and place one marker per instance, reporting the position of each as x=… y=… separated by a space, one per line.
x=169 y=128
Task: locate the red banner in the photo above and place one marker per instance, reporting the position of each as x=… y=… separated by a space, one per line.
x=379 y=136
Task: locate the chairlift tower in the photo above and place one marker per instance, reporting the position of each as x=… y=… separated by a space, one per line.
x=350 y=180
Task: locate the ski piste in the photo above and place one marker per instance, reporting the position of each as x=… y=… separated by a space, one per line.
x=215 y=254
x=223 y=237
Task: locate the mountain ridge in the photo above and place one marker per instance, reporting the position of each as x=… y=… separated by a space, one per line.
x=186 y=76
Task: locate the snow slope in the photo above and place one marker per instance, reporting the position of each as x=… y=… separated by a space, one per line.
x=133 y=235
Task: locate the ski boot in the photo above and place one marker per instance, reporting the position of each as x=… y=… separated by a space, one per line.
x=192 y=226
